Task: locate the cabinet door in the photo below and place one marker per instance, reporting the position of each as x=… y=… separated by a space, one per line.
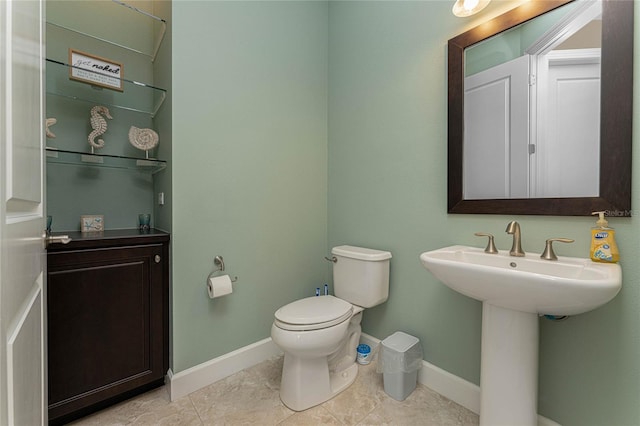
x=106 y=311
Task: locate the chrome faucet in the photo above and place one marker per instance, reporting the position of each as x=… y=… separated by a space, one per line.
x=513 y=228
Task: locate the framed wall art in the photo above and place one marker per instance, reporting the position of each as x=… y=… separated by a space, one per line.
x=95 y=70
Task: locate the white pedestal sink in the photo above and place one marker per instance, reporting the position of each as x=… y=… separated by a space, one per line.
x=514 y=291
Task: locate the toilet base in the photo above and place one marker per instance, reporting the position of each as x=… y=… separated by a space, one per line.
x=308 y=382
x=343 y=379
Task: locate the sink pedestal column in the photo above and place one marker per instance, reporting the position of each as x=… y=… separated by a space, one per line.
x=509 y=367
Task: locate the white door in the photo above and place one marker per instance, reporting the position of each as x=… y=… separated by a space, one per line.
x=496 y=132
x=568 y=142
x=22 y=257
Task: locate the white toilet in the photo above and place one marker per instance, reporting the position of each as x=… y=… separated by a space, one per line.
x=319 y=335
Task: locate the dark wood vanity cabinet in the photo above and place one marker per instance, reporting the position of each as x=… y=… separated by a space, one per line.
x=107 y=319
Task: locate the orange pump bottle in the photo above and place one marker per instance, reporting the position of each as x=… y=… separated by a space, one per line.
x=603 y=243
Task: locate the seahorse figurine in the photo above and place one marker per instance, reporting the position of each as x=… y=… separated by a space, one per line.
x=98 y=124
x=48 y=123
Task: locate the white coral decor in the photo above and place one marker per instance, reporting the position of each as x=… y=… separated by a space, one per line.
x=144 y=139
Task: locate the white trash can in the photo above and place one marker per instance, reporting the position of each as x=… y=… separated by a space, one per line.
x=399 y=360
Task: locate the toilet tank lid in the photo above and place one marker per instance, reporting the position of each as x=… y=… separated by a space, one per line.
x=361 y=253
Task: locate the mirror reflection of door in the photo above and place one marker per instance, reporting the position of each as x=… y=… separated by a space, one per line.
x=532 y=124
x=567 y=159
x=496 y=105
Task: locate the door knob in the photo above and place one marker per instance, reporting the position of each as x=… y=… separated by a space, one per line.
x=51 y=239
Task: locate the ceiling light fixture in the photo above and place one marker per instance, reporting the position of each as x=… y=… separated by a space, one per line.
x=464 y=8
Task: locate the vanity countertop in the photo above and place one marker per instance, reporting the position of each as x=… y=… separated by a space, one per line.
x=109 y=238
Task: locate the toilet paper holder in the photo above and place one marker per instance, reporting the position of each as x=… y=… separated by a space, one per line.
x=219 y=262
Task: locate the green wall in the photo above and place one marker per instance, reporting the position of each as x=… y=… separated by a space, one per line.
x=298 y=126
x=249 y=167
x=387 y=190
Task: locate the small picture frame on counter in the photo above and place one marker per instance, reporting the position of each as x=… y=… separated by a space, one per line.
x=92 y=223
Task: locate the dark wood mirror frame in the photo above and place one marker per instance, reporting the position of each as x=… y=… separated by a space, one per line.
x=616 y=114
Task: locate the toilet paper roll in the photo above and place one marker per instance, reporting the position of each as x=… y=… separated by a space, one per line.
x=219 y=286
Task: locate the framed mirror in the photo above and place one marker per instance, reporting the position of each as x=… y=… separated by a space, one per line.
x=523 y=185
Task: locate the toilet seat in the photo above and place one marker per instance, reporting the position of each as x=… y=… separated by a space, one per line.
x=313 y=313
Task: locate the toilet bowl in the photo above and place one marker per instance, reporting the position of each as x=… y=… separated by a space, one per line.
x=319 y=335
x=318 y=360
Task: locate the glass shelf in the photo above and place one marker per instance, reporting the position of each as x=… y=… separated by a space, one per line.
x=147 y=165
x=136 y=96
x=130 y=19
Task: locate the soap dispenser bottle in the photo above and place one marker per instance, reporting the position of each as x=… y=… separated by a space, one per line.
x=603 y=243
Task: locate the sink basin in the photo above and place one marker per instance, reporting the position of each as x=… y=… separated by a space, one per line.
x=567 y=286
x=514 y=291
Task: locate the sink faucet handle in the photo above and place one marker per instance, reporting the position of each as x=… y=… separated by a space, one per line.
x=548 y=253
x=491 y=247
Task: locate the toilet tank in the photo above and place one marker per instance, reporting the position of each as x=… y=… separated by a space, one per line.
x=361 y=275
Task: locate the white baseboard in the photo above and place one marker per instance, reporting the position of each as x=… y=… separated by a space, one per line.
x=201 y=375
x=449 y=385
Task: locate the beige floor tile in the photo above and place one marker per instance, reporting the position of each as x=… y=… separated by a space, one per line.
x=246 y=397
x=251 y=397
x=150 y=408
x=422 y=407
x=313 y=416
x=270 y=372
x=361 y=398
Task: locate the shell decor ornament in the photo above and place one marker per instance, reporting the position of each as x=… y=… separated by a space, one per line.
x=99 y=125
x=48 y=123
x=143 y=139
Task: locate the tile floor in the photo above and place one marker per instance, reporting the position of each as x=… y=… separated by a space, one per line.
x=250 y=397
